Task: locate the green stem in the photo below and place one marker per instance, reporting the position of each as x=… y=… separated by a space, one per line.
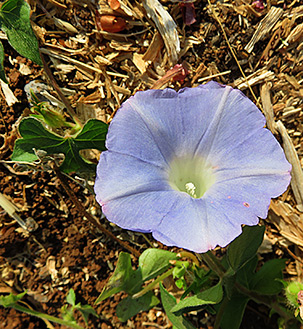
x=264 y=300
x=153 y=284
x=45 y=316
x=189 y=255
x=213 y=263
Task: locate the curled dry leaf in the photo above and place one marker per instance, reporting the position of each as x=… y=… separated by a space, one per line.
x=264 y=27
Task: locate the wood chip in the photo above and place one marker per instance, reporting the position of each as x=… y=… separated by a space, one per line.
x=166 y=27
x=137 y=59
x=292 y=157
x=267 y=106
x=8 y=94
x=295 y=34
x=253 y=79
x=288 y=222
x=264 y=27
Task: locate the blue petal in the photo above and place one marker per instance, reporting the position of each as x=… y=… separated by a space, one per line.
x=235 y=119
x=142 y=212
x=259 y=152
x=120 y=175
x=157 y=125
x=199 y=226
x=257 y=161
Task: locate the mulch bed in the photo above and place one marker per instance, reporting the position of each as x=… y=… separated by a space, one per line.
x=97 y=70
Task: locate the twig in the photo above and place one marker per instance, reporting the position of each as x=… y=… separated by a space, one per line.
x=214 y=75
x=46 y=316
x=59 y=92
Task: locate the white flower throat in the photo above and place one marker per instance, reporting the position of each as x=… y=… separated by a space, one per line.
x=191 y=175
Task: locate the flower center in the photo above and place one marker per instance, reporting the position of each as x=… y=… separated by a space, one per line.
x=191 y=175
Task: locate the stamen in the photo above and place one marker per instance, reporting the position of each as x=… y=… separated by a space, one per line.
x=191 y=189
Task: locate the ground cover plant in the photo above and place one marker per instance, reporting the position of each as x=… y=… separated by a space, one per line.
x=164 y=100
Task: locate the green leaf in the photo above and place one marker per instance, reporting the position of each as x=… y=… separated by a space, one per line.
x=154 y=262
x=35 y=136
x=15 y=22
x=117 y=281
x=68 y=314
x=246 y=273
x=266 y=280
x=86 y=310
x=245 y=246
x=123 y=279
x=212 y=295
x=228 y=282
x=10 y=300
x=71 y=297
x=2 y=74
x=168 y=302
x=233 y=311
x=129 y=307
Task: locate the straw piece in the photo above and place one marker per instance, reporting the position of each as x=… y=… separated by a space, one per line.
x=253 y=79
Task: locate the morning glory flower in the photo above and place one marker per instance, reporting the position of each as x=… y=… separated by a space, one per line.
x=191 y=166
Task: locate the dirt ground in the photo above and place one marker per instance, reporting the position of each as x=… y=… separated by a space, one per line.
x=97 y=70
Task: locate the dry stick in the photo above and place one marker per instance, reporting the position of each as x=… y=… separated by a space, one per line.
x=70 y=110
x=232 y=52
x=89 y=217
